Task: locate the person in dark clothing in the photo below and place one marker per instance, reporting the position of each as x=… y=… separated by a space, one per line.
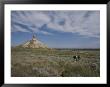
x=76 y=58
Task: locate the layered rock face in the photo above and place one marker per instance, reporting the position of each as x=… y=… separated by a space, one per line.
x=34 y=43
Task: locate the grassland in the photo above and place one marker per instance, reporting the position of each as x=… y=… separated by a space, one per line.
x=27 y=62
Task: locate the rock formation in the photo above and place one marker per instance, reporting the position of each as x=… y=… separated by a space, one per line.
x=34 y=43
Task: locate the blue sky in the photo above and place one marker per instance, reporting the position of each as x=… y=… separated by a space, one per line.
x=57 y=29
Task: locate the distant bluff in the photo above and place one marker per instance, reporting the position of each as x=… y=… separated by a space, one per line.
x=33 y=43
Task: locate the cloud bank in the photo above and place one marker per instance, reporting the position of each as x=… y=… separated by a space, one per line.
x=85 y=23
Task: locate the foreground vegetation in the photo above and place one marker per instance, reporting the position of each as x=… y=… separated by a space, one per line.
x=54 y=62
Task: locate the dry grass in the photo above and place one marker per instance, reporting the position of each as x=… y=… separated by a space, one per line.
x=54 y=63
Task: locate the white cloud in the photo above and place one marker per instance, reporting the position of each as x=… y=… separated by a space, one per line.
x=85 y=23
x=46 y=33
x=18 y=28
x=76 y=23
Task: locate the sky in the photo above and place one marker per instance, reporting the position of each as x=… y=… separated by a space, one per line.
x=57 y=29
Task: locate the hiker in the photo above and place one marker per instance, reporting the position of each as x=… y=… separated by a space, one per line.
x=76 y=58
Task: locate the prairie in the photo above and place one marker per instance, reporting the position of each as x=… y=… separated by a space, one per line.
x=28 y=62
